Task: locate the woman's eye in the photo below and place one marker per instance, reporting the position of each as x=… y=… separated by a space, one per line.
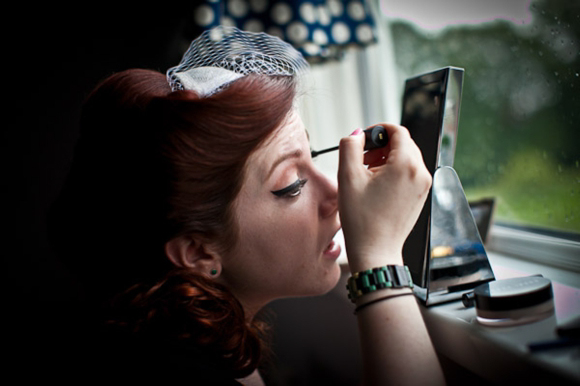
x=292 y=190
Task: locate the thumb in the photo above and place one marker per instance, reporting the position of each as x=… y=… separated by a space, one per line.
x=351 y=155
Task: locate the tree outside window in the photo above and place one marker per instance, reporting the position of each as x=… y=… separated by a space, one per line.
x=519 y=128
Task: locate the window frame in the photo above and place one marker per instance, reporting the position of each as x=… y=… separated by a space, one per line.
x=526 y=244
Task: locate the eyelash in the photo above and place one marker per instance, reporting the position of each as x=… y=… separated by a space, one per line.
x=292 y=190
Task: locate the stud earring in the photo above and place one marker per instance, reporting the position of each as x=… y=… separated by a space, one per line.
x=213 y=272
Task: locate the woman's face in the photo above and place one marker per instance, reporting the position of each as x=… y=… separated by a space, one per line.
x=286 y=214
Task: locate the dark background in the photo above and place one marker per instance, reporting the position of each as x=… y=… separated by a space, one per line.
x=56 y=56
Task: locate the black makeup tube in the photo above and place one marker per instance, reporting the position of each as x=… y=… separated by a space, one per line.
x=375 y=137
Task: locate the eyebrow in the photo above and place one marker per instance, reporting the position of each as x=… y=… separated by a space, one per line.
x=292 y=154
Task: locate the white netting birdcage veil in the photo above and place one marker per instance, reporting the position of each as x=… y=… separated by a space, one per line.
x=223 y=54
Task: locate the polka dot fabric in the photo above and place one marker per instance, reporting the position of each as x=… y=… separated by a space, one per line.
x=319 y=29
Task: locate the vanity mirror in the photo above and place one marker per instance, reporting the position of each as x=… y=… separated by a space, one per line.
x=444 y=252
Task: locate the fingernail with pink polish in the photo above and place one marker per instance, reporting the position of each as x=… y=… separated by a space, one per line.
x=356 y=132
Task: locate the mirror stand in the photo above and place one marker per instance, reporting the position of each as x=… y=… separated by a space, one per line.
x=457 y=261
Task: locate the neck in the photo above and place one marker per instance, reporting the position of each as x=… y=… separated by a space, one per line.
x=251 y=303
x=251 y=309
x=253 y=379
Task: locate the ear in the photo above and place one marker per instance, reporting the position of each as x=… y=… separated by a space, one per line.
x=190 y=252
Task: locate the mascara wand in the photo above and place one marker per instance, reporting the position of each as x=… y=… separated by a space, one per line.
x=375 y=137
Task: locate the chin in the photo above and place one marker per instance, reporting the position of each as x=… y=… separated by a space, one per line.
x=337 y=272
x=316 y=285
x=330 y=281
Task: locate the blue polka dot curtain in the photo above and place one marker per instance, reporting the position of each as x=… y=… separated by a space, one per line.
x=320 y=29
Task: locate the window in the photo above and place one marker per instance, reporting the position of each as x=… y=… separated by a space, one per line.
x=519 y=129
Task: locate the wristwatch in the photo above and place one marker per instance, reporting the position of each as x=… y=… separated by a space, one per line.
x=388 y=276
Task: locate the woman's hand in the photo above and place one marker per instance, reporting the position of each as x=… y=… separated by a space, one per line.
x=379 y=205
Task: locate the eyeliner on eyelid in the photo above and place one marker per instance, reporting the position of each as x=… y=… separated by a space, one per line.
x=298 y=184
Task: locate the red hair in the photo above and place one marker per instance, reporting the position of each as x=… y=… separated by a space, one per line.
x=151 y=165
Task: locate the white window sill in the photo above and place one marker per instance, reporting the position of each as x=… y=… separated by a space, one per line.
x=500 y=354
x=547 y=252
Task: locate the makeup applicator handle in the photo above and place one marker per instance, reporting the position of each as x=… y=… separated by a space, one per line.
x=375 y=137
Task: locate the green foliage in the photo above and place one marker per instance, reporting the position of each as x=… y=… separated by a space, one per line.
x=534 y=189
x=519 y=130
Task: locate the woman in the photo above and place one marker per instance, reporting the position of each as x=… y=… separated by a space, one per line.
x=186 y=212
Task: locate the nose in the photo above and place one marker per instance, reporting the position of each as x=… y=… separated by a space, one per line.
x=328 y=196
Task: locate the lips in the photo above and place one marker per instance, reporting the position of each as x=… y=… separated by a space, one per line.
x=332 y=251
x=330 y=246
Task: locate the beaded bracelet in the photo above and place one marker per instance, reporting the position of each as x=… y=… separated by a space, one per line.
x=388 y=276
